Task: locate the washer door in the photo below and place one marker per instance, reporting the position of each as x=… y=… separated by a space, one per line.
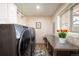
x=24 y=43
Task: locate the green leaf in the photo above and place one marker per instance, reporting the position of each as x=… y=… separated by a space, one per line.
x=62 y=34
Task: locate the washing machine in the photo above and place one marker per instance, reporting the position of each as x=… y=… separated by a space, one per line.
x=23 y=40
x=16 y=40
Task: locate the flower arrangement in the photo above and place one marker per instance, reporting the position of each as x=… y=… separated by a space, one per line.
x=62 y=33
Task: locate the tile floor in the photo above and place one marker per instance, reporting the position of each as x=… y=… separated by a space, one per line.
x=40 y=50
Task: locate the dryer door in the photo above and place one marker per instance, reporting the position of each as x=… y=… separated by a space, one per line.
x=24 y=43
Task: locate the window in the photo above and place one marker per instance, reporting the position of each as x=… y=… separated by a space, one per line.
x=75 y=18
x=70 y=19
x=65 y=20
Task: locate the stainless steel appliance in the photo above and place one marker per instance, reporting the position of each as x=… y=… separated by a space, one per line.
x=16 y=40
x=25 y=40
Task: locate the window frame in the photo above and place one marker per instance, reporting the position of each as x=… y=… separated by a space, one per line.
x=71 y=17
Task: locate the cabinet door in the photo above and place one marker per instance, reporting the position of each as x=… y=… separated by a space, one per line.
x=12 y=12
x=8 y=13
x=7 y=40
x=3 y=12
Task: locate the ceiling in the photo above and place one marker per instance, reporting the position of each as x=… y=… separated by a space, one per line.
x=46 y=9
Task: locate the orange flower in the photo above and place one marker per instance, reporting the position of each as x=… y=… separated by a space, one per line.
x=64 y=30
x=58 y=30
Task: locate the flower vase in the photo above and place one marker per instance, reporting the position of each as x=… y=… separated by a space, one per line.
x=62 y=40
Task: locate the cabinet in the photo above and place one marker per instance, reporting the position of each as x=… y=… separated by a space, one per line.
x=8 y=13
x=3 y=12
x=7 y=40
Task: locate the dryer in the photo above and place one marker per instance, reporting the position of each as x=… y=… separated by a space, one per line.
x=16 y=40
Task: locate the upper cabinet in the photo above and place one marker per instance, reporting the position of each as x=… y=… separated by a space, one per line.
x=12 y=13
x=3 y=11
x=8 y=13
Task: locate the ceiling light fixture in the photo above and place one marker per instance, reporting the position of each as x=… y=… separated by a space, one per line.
x=37 y=7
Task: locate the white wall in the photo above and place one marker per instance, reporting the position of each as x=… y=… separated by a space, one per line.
x=46 y=25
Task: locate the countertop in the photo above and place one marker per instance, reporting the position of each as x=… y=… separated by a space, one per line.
x=54 y=42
